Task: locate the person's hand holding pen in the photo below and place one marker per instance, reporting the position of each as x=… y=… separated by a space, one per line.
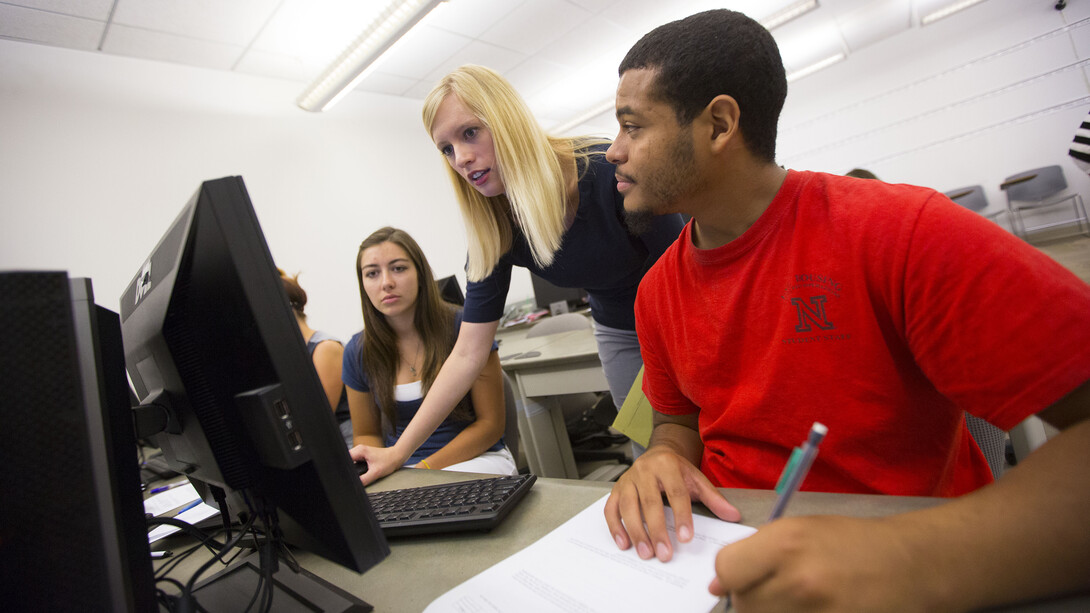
x=826 y=563
x=821 y=563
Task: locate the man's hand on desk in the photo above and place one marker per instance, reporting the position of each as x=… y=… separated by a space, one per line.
x=829 y=563
x=636 y=500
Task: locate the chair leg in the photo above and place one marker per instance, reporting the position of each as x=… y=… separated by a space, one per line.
x=1080 y=211
x=1017 y=226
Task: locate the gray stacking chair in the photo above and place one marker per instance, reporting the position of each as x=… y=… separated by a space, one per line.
x=1037 y=189
x=973 y=198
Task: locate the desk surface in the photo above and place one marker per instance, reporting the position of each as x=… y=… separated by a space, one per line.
x=420 y=569
x=518 y=352
x=543 y=368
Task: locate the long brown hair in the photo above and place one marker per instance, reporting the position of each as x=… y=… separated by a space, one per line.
x=432 y=317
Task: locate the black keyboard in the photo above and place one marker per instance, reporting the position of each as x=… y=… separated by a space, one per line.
x=480 y=504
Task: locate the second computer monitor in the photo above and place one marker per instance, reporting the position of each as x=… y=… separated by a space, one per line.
x=557 y=299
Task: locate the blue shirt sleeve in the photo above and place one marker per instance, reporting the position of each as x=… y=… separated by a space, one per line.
x=352 y=368
x=486 y=298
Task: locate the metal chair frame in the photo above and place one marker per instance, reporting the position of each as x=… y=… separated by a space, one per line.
x=1034 y=189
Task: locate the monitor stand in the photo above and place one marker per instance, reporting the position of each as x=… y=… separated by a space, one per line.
x=233 y=588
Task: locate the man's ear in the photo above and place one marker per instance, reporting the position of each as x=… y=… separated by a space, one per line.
x=723 y=114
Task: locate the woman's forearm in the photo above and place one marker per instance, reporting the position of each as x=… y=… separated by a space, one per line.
x=460 y=370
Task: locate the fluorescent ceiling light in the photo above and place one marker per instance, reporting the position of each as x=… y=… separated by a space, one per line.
x=797 y=9
x=357 y=61
x=947 y=10
x=816 y=66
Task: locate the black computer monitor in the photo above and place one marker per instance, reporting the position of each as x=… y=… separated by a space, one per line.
x=211 y=344
x=546 y=294
x=72 y=531
x=450 y=290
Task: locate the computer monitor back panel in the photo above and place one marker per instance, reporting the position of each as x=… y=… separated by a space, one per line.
x=546 y=295
x=72 y=531
x=209 y=335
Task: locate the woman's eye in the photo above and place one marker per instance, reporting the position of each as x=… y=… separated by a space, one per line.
x=447 y=150
x=470 y=133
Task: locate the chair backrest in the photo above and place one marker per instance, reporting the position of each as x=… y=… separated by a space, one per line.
x=991 y=440
x=559 y=323
x=971 y=197
x=1047 y=181
x=513 y=407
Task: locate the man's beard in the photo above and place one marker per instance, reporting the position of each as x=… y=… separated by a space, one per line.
x=638 y=222
x=666 y=186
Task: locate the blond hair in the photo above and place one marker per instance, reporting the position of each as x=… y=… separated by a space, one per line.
x=531 y=165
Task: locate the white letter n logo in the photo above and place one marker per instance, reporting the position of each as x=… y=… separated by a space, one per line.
x=811 y=314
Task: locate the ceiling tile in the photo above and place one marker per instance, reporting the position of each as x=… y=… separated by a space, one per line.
x=471 y=18
x=141 y=43
x=477 y=52
x=277 y=66
x=594 y=6
x=90 y=9
x=417 y=54
x=50 y=28
x=642 y=16
x=236 y=22
x=382 y=83
x=534 y=75
x=534 y=25
x=589 y=41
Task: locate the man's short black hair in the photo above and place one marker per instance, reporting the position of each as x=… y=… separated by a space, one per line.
x=712 y=53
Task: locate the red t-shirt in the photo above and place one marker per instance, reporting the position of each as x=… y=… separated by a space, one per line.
x=884 y=312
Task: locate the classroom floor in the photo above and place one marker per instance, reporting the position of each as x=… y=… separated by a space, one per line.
x=1071 y=252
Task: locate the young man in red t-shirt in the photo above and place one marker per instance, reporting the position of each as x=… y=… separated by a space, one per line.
x=883 y=311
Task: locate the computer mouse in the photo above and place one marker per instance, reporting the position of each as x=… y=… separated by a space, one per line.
x=361 y=467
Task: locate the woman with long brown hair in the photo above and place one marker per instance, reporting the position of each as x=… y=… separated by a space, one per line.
x=390 y=366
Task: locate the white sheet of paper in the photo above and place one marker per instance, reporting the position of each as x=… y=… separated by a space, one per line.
x=171 y=499
x=578 y=568
x=191 y=516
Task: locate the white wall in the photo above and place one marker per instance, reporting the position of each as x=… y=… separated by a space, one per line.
x=971 y=99
x=99 y=153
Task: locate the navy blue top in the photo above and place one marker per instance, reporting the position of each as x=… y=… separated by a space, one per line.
x=597 y=253
x=341 y=412
x=355 y=377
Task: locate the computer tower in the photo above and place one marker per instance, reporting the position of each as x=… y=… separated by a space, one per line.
x=72 y=529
